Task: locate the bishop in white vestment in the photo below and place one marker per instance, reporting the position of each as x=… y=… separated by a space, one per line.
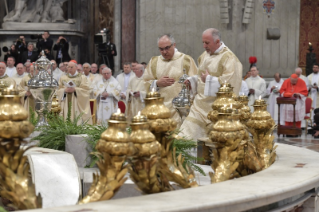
x=314 y=82
x=164 y=71
x=107 y=92
x=257 y=87
x=218 y=64
x=135 y=93
x=273 y=92
x=124 y=79
x=20 y=73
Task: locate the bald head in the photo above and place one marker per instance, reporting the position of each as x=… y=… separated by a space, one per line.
x=298 y=71
x=72 y=68
x=211 y=40
x=277 y=77
x=139 y=70
x=106 y=73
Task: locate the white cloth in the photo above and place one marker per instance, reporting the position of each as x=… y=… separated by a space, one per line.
x=314 y=79
x=124 y=80
x=11 y=71
x=244 y=90
x=259 y=85
x=18 y=77
x=272 y=106
x=304 y=78
x=300 y=110
x=108 y=106
x=57 y=73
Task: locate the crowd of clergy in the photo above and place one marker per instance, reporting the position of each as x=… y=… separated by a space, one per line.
x=80 y=83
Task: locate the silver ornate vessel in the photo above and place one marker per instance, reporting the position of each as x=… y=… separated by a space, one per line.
x=183 y=101
x=42 y=87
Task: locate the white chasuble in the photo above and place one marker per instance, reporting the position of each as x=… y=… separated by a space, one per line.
x=259 y=85
x=135 y=104
x=159 y=67
x=106 y=106
x=314 y=80
x=27 y=101
x=272 y=106
x=79 y=99
x=222 y=66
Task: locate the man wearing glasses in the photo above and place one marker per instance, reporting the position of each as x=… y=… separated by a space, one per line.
x=164 y=71
x=217 y=65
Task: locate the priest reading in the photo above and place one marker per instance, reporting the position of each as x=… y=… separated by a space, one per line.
x=294 y=88
x=164 y=71
x=107 y=91
x=136 y=93
x=74 y=89
x=218 y=64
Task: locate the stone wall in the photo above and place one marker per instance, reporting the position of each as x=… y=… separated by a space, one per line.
x=187 y=19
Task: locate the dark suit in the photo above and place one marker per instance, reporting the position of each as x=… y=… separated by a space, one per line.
x=42 y=45
x=106 y=49
x=65 y=57
x=33 y=57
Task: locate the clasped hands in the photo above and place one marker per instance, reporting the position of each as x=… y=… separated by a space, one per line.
x=69 y=90
x=203 y=78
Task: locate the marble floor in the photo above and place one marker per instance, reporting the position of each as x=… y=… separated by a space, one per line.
x=305 y=141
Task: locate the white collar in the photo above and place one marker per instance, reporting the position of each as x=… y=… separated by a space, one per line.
x=220 y=48
x=75 y=74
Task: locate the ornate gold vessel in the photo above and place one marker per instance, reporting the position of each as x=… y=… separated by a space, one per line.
x=245 y=109
x=15 y=182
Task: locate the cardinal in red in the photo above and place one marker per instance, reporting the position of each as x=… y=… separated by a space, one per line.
x=294 y=87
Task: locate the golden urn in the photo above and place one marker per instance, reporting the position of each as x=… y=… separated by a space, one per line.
x=245 y=109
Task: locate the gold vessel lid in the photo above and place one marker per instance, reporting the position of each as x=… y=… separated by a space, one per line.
x=226 y=84
x=4 y=92
x=139 y=118
x=224 y=89
x=153 y=94
x=118 y=116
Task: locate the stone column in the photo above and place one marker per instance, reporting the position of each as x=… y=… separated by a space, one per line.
x=128 y=31
x=117 y=34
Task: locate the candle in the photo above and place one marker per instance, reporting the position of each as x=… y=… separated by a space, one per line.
x=310 y=44
x=139 y=118
x=118 y=116
x=260 y=97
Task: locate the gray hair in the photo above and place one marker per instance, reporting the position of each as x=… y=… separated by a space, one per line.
x=215 y=33
x=27 y=63
x=106 y=69
x=61 y=64
x=87 y=64
x=102 y=65
x=169 y=36
x=298 y=69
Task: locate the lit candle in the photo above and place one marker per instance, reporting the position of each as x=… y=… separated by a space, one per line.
x=139 y=118
x=260 y=97
x=118 y=111
x=310 y=44
x=118 y=116
x=231 y=105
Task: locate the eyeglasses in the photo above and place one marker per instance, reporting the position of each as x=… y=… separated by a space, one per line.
x=165 y=48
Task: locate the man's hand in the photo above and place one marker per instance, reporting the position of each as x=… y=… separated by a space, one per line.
x=136 y=94
x=252 y=91
x=297 y=95
x=112 y=52
x=28 y=93
x=165 y=81
x=69 y=90
x=188 y=83
x=105 y=94
x=273 y=87
x=203 y=77
x=122 y=95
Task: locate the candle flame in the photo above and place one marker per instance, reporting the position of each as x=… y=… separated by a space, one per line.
x=260 y=97
x=310 y=44
x=224 y=86
x=139 y=113
x=231 y=105
x=153 y=89
x=224 y=105
x=118 y=110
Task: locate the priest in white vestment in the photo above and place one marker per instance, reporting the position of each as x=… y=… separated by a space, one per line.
x=57 y=73
x=107 y=92
x=244 y=90
x=27 y=99
x=257 y=87
x=11 y=69
x=92 y=78
x=135 y=93
x=273 y=92
x=5 y=80
x=314 y=82
x=124 y=79
x=218 y=64
x=74 y=89
x=20 y=73
x=164 y=71
x=298 y=71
